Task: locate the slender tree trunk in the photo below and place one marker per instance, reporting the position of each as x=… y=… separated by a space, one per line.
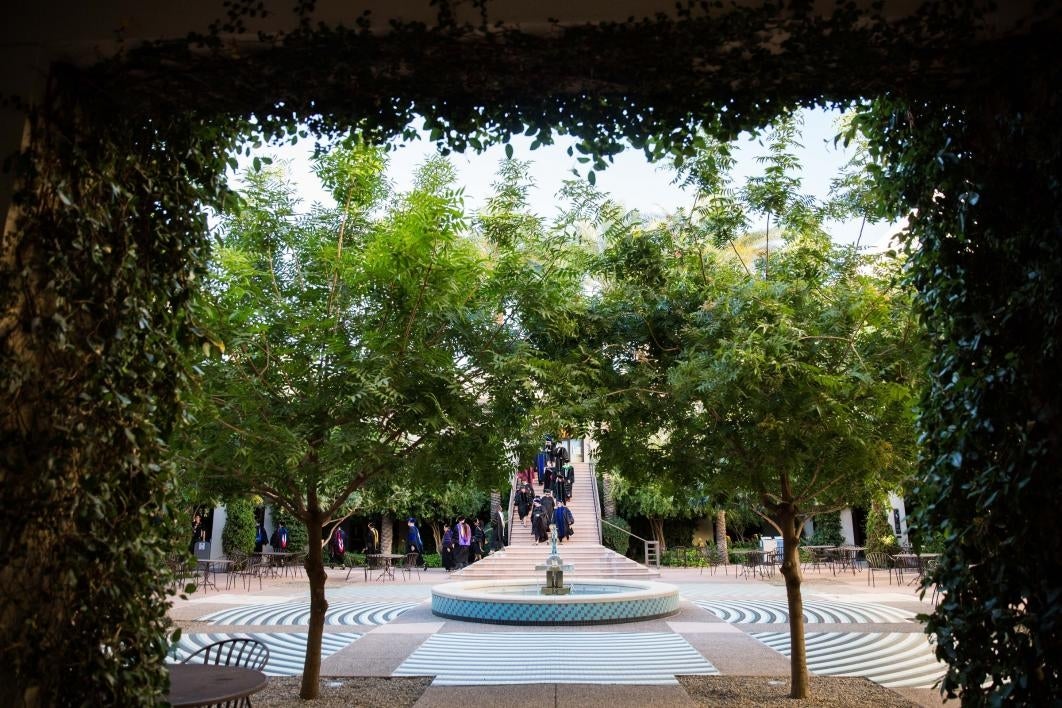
x=436 y=532
x=658 y=533
x=798 y=659
x=315 y=572
x=387 y=534
x=608 y=492
x=720 y=535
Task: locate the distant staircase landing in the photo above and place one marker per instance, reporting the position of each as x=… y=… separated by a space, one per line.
x=583 y=550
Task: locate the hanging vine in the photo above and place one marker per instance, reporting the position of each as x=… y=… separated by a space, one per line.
x=110 y=236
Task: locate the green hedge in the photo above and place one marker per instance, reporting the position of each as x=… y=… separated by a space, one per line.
x=238 y=534
x=614 y=538
x=682 y=558
x=827 y=531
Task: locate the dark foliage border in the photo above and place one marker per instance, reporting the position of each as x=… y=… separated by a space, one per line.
x=110 y=237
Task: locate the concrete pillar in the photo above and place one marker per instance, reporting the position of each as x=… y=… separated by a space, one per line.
x=847 y=526
x=216 y=550
x=898 y=518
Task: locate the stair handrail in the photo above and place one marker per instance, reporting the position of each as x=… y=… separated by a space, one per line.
x=647 y=543
x=509 y=511
x=597 y=499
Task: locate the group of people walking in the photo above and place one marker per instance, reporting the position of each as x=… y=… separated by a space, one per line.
x=557 y=477
x=466 y=540
x=464 y=543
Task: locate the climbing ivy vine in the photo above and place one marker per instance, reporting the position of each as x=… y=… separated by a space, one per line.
x=109 y=239
x=987 y=262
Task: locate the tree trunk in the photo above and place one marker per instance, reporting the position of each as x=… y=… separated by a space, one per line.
x=658 y=533
x=798 y=659
x=608 y=491
x=315 y=572
x=436 y=531
x=720 y=535
x=387 y=534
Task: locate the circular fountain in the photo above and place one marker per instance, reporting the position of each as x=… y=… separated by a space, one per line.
x=526 y=601
x=520 y=601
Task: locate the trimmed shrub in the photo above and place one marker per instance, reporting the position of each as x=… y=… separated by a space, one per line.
x=238 y=534
x=614 y=538
x=827 y=531
x=880 y=535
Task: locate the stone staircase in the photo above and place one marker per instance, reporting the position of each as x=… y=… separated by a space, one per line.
x=583 y=550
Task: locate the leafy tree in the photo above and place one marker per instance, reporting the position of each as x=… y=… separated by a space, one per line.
x=239 y=532
x=657 y=502
x=795 y=383
x=351 y=345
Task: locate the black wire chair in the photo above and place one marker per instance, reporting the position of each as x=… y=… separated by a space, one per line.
x=244 y=652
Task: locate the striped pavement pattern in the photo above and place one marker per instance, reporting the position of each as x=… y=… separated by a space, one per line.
x=463 y=659
x=287 y=651
x=815 y=612
x=890 y=659
x=388 y=592
x=338 y=613
x=750 y=591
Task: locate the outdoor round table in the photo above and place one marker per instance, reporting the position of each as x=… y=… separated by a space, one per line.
x=388 y=559
x=210 y=565
x=277 y=560
x=206 y=684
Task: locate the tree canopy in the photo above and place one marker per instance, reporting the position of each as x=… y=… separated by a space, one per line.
x=793 y=377
x=353 y=348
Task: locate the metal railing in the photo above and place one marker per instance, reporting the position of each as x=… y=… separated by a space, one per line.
x=597 y=500
x=652 y=548
x=512 y=502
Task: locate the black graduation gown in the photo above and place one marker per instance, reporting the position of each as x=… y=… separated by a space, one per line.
x=497 y=539
x=537 y=518
x=523 y=503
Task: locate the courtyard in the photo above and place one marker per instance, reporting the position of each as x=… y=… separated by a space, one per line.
x=726 y=625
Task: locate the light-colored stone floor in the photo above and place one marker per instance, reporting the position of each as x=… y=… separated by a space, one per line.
x=725 y=624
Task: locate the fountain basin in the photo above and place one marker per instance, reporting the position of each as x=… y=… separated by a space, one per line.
x=518 y=601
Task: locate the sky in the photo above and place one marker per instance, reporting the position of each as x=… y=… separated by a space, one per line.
x=631 y=180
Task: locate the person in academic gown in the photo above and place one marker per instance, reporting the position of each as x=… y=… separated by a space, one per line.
x=447 y=548
x=558 y=485
x=539 y=525
x=562 y=517
x=548 y=505
x=478 y=537
x=497 y=539
x=524 y=499
x=569 y=482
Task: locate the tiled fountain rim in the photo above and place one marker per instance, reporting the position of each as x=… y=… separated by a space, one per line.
x=472 y=601
x=480 y=590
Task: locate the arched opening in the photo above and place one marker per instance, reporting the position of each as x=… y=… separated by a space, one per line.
x=102 y=247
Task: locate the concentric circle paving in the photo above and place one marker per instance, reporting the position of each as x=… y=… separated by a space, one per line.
x=891 y=659
x=815 y=612
x=287 y=651
x=338 y=614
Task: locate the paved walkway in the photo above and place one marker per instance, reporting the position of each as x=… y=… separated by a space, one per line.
x=725 y=625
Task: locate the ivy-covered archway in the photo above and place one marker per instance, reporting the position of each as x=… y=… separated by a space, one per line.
x=109 y=236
